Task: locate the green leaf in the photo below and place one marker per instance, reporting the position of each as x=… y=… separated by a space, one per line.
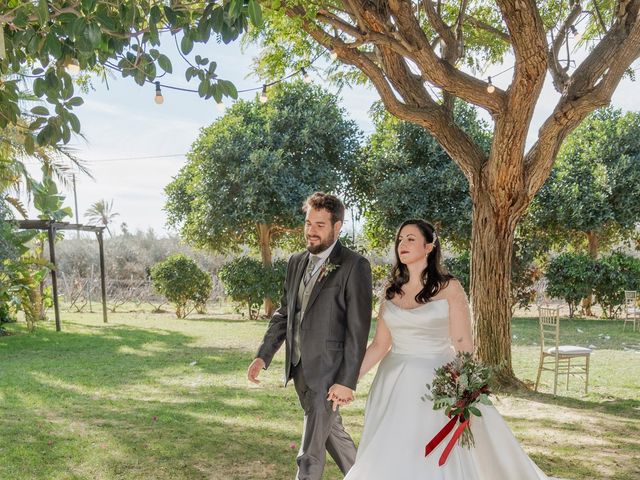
x=54 y=46
x=475 y=411
x=235 y=9
x=29 y=145
x=155 y=14
x=79 y=26
x=37 y=123
x=88 y=5
x=104 y=19
x=43 y=12
x=230 y=88
x=186 y=45
x=171 y=15
x=74 y=122
x=165 y=63
x=203 y=88
x=39 y=87
x=94 y=34
x=255 y=13
x=75 y=101
x=217 y=18
x=139 y=77
x=216 y=92
x=66 y=134
x=40 y=110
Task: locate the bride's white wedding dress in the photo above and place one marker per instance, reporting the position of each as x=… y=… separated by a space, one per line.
x=398 y=423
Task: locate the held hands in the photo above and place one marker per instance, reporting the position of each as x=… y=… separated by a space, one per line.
x=340 y=395
x=254 y=370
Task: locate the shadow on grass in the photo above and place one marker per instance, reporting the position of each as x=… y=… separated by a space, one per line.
x=128 y=403
x=605 y=431
x=623 y=407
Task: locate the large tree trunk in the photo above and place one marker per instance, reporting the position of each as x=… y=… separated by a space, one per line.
x=264 y=239
x=491 y=254
x=592 y=237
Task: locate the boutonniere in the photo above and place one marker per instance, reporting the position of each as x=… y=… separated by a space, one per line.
x=326 y=269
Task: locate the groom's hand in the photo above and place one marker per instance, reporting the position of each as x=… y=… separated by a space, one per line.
x=254 y=370
x=339 y=395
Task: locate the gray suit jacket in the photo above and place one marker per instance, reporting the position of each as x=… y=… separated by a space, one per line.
x=335 y=325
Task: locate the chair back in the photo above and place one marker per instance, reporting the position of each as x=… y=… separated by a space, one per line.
x=630 y=298
x=549 y=327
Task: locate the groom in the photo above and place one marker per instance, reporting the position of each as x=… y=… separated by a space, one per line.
x=324 y=319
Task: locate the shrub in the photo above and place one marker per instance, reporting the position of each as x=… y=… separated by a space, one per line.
x=614 y=274
x=570 y=277
x=181 y=281
x=460 y=267
x=248 y=281
x=524 y=274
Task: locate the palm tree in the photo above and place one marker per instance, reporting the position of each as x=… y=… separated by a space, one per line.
x=100 y=213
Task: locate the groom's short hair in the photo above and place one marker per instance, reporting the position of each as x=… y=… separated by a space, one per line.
x=328 y=202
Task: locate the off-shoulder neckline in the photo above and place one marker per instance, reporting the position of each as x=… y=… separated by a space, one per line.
x=419 y=306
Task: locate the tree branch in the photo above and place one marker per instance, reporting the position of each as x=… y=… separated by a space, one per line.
x=558 y=73
x=454 y=140
x=591 y=86
x=439 y=72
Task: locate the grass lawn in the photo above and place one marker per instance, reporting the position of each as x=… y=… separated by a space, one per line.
x=149 y=396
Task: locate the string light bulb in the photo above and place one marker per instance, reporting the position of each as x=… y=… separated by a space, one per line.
x=490 y=87
x=334 y=55
x=159 y=99
x=72 y=66
x=305 y=75
x=574 y=31
x=263 y=95
x=220 y=106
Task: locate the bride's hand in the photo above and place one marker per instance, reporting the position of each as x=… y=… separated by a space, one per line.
x=339 y=395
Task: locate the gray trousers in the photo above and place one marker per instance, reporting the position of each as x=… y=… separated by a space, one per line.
x=323 y=431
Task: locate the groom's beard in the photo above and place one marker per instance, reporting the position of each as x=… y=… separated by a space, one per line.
x=323 y=245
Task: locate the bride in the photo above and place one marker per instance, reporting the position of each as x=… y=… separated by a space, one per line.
x=423 y=321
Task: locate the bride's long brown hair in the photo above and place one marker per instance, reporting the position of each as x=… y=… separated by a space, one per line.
x=434 y=277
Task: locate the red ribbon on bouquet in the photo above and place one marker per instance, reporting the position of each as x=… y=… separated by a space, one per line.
x=435 y=441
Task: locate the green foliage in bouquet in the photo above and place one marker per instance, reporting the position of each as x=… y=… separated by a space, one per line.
x=458 y=387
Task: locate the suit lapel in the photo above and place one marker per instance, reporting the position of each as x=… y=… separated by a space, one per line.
x=334 y=258
x=293 y=300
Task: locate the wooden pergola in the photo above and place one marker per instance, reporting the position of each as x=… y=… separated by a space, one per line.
x=52 y=227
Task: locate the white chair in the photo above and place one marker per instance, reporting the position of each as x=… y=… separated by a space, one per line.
x=631 y=310
x=560 y=359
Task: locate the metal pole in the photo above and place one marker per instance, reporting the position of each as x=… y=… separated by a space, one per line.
x=102 y=277
x=75 y=200
x=51 y=233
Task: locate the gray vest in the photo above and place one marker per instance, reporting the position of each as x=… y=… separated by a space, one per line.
x=304 y=291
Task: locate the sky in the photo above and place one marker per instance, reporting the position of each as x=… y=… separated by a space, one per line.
x=134 y=147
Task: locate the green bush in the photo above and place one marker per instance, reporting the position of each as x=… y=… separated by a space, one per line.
x=460 y=267
x=182 y=282
x=614 y=274
x=570 y=277
x=248 y=281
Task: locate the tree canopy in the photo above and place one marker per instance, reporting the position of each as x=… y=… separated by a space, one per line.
x=405 y=173
x=593 y=193
x=248 y=172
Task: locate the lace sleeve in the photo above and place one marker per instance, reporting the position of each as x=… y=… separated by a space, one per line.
x=459 y=318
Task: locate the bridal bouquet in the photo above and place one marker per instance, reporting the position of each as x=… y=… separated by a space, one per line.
x=458 y=387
